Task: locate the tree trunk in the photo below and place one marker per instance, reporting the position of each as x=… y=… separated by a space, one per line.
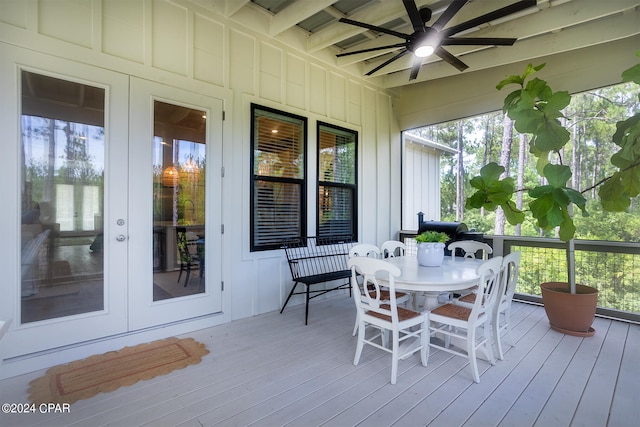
x=460 y=177
x=505 y=156
x=522 y=158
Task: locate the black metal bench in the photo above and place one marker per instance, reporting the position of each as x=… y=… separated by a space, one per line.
x=315 y=260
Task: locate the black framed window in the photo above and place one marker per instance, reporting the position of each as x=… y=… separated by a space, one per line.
x=337 y=181
x=278 y=177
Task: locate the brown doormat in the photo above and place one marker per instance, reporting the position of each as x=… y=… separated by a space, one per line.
x=106 y=372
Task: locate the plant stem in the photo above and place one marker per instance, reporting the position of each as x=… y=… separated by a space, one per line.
x=603 y=180
x=571 y=265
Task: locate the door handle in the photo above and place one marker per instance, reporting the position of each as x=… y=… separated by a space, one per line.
x=121 y=238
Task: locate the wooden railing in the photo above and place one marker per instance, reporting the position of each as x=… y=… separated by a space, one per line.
x=611 y=267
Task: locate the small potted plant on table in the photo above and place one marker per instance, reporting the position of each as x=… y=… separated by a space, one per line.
x=431 y=248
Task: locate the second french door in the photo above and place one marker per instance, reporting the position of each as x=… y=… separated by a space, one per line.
x=175 y=160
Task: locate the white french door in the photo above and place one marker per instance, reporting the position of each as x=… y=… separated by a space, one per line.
x=90 y=229
x=65 y=135
x=175 y=163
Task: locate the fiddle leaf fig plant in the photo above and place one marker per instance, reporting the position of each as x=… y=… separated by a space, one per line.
x=537 y=110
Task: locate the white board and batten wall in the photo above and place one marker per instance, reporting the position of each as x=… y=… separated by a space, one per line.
x=184 y=45
x=421 y=179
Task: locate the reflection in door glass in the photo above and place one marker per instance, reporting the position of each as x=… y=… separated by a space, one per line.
x=179 y=176
x=62 y=207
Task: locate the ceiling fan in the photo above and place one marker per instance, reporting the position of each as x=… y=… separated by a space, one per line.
x=426 y=40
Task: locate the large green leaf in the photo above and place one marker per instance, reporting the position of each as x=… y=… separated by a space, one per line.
x=476 y=200
x=491 y=172
x=626 y=128
x=493 y=191
x=558 y=101
x=513 y=215
x=511 y=100
x=632 y=74
x=577 y=199
x=541 y=206
x=631 y=180
x=612 y=195
x=551 y=135
x=520 y=79
x=557 y=175
x=537 y=88
x=567 y=228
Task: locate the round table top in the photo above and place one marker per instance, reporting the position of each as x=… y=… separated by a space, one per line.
x=454 y=274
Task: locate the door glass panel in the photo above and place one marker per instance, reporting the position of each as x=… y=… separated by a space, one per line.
x=179 y=176
x=63 y=151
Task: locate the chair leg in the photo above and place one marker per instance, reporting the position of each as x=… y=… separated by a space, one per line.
x=186 y=280
x=487 y=331
x=360 y=344
x=471 y=354
x=497 y=341
x=395 y=348
x=306 y=307
x=295 y=285
x=384 y=338
x=180 y=274
x=355 y=327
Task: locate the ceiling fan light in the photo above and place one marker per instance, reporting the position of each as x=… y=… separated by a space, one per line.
x=424 y=50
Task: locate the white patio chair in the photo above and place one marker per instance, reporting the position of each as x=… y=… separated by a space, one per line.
x=470 y=248
x=501 y=319
x=384 y=317
x=364 y=249
x=372 y=251
x=392 y=247
x=460 y=323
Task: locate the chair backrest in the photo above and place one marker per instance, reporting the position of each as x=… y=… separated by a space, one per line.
x=368 y=299
x=469 y=248
x=183 y=244
x=390 y=248
x=490 y=287
x=510 y=272
x=364 y=250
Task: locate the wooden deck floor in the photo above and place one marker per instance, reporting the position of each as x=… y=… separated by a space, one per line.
x=271 y=370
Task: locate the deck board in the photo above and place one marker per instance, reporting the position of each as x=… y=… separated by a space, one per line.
x=564 y=400
x=625 y=410
x=593 y=408
x=272 y=370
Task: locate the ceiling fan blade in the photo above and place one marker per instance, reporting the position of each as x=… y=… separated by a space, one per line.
x=374 y=28
x=446 y=16
x=372 y=49
x=477 y=41
x=385 y=63
x=448 y=57
x=414 y=15
x=491 y=16
x=415 y=69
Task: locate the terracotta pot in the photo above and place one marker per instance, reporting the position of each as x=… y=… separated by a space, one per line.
x=571 y=314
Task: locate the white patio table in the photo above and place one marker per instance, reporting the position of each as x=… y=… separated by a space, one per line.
x=455 y=274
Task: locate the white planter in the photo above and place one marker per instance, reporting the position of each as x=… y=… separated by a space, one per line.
x=430 y=254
